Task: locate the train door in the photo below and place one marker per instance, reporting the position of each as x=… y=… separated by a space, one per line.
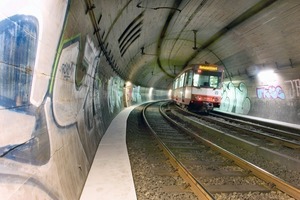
x=182 y=87
x=188 y=86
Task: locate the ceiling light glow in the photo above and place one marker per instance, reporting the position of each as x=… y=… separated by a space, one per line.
x=267 y=76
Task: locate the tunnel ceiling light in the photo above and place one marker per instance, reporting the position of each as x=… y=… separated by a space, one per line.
x=128 y=83
x=150 y=92
x=170 y=92
x=267 y=75
x=263 y=74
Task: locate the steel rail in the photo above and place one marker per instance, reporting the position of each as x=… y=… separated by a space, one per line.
x=266 y=128
x=257 y=121
x=195 y=186
x=257 y=171
x=274 y=139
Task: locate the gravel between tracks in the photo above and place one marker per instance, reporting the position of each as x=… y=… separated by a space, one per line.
x=275 y=167
x=152 y=174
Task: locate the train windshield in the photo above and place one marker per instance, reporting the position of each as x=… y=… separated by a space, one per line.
x=207 y=79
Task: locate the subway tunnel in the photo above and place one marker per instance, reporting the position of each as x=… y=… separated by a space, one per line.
x=68 y=67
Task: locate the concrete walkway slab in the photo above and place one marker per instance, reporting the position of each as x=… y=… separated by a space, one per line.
x=110 y=177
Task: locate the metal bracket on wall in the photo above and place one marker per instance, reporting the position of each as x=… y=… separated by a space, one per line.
x=285 y=66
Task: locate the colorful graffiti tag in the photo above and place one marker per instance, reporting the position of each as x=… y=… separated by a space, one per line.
x=270 y=92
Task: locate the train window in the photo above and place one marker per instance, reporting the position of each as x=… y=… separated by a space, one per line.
x=189 y=80
x=201 y=80
x=176 y=83
x=196 y=80
x=213 y=81
x=181 y=80
x=206 y=81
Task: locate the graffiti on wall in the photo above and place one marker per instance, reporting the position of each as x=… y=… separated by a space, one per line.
x=47 y=140
x=98 y=104
x=276 y=92
x=294 y=85
x=16 y=66
x=270 y=92
x=69 y=96
x=91 y=57
x=235 y=99
x=115 y=93
x=65 y=107
x=136 y=94
x=133 y=94
x=24 y=140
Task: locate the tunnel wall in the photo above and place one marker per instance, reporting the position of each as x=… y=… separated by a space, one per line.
x=58 y=95
x=274 y=96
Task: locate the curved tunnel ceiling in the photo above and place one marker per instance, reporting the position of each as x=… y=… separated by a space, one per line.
x=150 y=42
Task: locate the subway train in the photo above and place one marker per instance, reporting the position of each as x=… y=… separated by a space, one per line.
x=199 y=87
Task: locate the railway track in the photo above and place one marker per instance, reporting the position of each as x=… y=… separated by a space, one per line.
x=261 y=124
x=270 y=132
x=210 y=170
x=273 y=143
x=276 y=134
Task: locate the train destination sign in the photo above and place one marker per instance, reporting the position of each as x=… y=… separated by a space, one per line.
x=208 y=67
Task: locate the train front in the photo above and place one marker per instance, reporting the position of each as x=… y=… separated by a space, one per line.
x=206 y=91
